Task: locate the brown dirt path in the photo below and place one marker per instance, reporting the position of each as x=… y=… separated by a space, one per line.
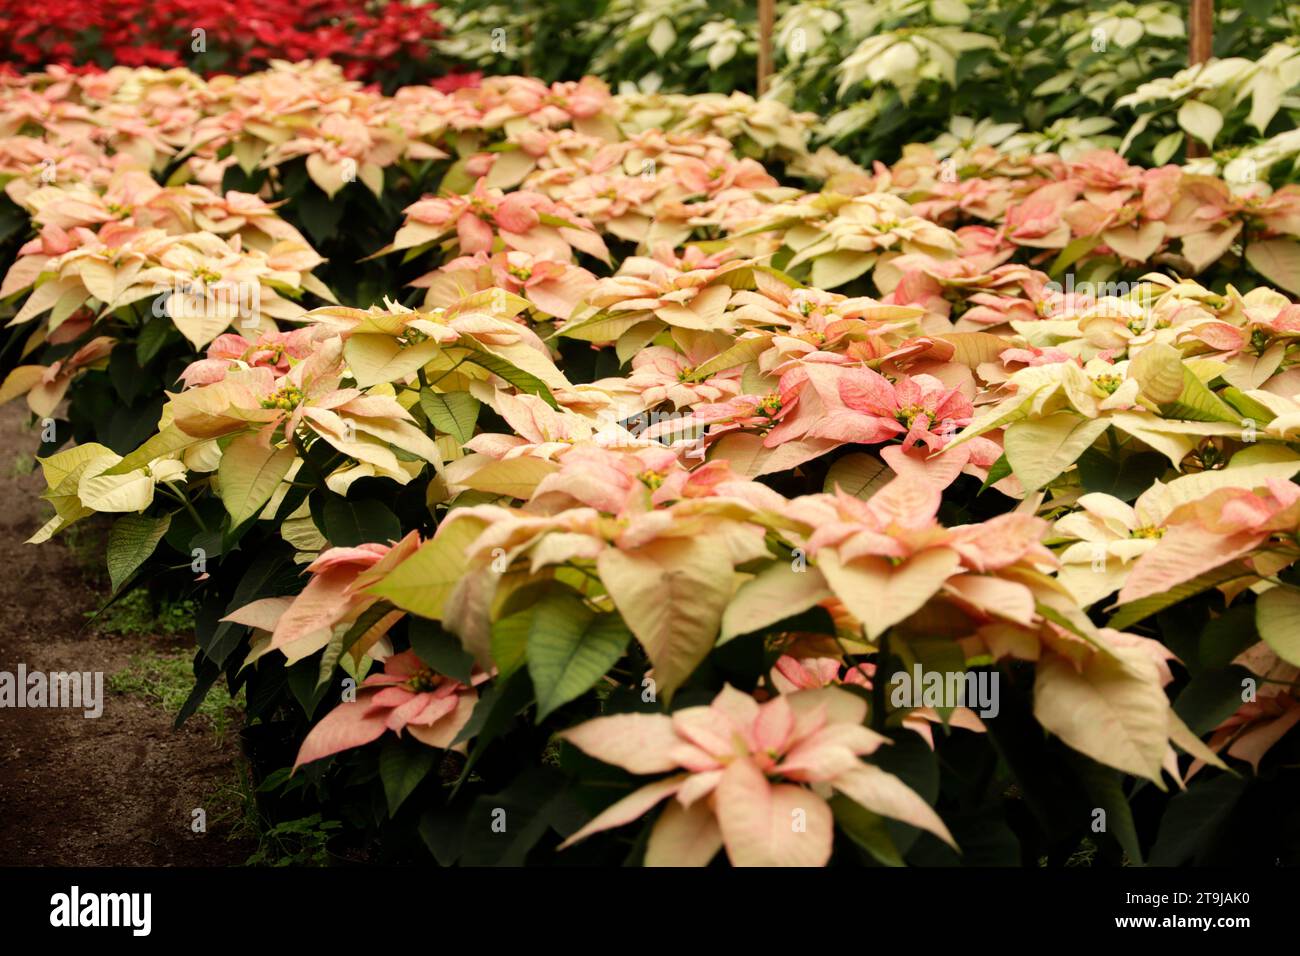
x=116 y=790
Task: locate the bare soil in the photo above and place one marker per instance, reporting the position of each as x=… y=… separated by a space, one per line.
x=119 y=790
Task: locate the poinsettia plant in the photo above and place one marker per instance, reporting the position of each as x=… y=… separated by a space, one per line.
x=624 y=464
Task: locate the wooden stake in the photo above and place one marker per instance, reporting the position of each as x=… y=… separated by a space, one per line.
x=765 y=17
x=1200 y=32
x=1200 y=47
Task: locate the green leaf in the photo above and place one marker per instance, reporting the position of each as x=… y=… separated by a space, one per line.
x=402 y=765
x=1126 y=480
x=1277 y=615
x=570 y=647
x=1194 y=817
x=128 y=379
x=301 y=678
x=559 y=222
x=248 y=475
x=170 y=439
x=1210 y=698
x=410 y=255
x=130 y=543
x=205 y=675
x=1075 y=250
x=269 y=574
x=452 y=413
x=440 y=650
x=320 y=216
x=605 y=326
x=911 y=760
x=1166 y=147
x=1227 y=635
x=1104 y=787
x=1135 y=611
x=497 y=706
x=152 y=336
x=340 y=645
x=1198 y=404
x=421 y=583
x=349 y=523
x=1248 y=407
x=865 y=828
x=524 y=381
x=999 y=470
x=742 y=353
x=510 y=642
x=443 y=832
x=502 y=828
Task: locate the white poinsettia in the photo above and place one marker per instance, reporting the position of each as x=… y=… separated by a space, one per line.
x=1127 y=24
x=722 y=38
x=906 y=58
x=965 y=133
x=803 y=28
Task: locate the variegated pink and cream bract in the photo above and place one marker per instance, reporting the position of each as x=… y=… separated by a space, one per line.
x=45 y=385
x=1229 y=523
x=753 y=778
x=408 y=696
x=335 y=596
x=791 y=674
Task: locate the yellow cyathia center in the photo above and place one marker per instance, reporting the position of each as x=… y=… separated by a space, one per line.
x=1147 y=531
x=287 y=398
x=1212 y=458
x=685 y=372
x=1108 y=383
x=908 y=416
x=770 y=404
x=276 y=352
x=425 y=680
x=522 y=273
x=651 y=479
x=206 y=275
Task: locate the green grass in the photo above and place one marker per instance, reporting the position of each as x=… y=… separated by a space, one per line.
x=23 y=464
x=85 y=541
x=166 y=680
x=136 y=614
x=301 y=842
x=1084 y=855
